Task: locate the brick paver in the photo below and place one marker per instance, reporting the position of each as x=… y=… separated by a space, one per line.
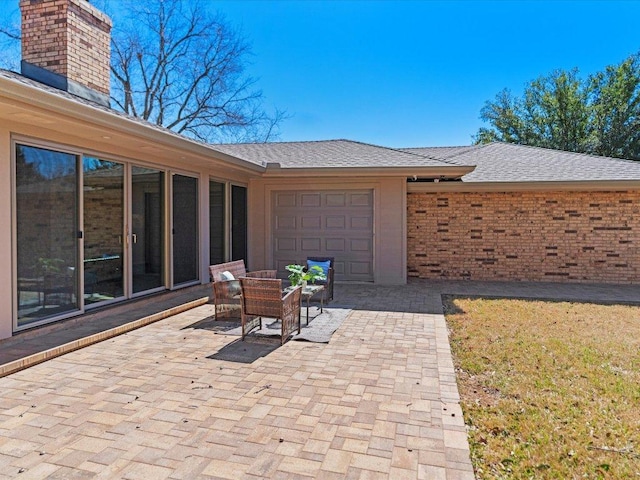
x=379 y=401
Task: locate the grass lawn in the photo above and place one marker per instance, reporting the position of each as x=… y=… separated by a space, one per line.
x=549 y=389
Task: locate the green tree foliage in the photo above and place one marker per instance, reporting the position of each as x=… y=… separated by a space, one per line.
x=598 y=115
x=616 y=110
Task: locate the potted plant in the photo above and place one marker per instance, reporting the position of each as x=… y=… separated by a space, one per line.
x=301 y=275
x=48 y=266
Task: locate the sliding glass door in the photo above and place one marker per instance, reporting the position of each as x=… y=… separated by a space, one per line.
x=238 y=223
x=217 y=222
x=46 y=233
x=227 y=222
x=185 y=229
x=103 y=200
x=90 y=231
x=147 y=229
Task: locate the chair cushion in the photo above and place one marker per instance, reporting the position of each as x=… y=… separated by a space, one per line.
x=227 y=275
x=323 y=265
x=234 y=285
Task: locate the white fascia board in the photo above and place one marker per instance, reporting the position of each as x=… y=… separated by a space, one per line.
x=591 y=185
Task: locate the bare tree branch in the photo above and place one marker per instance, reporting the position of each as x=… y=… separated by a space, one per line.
x=10 y=32
x=182 y=67
x=179 y=65
x=10 y=37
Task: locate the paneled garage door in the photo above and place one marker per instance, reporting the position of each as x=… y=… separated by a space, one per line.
x=333 y=223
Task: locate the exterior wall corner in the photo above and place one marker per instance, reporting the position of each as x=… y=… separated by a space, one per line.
x=390 y=232
x=6 y=264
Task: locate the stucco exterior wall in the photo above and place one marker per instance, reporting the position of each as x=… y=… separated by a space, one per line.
x=538 y=236
x=389 y=220
x=6 y=272
x=390 y=232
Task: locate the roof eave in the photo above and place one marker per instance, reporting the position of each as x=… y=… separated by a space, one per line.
x=17 y=91
x=574 y=186
x=274 y=171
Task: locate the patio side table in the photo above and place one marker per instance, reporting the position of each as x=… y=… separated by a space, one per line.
x=308 y=293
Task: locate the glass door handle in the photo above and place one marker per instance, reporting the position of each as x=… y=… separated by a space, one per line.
x=134 y=238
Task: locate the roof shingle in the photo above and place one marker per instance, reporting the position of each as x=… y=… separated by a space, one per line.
x=328 y=154
x=505 y=162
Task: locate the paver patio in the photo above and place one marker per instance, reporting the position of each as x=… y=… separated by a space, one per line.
x=172 y=401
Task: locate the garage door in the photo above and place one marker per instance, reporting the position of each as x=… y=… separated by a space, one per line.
x=330 y=223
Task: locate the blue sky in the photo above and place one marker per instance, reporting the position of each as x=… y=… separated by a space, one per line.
x=417 y=73
x=414 y=73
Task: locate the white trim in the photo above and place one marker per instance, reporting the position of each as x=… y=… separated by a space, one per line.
x=599 y=185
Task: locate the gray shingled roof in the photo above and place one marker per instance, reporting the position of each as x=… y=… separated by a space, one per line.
x=496 y=162
x=441 y=153
x=74 y=98
x=505 y=162
x=327 y=153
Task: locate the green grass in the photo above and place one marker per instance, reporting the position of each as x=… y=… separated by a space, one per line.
x=549 y=389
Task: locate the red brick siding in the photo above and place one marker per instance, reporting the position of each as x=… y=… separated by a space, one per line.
x=68 y=37
x=537 y=236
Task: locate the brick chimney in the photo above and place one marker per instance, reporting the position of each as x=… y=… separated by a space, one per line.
x=66 y=45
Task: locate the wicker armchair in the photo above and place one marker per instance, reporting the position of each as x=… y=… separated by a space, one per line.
x=226 y=293
x=262 y=297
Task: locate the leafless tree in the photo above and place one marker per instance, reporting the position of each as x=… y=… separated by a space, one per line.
x=10 y=36
x=10 y=32
x=183 y=67
x=179 y=64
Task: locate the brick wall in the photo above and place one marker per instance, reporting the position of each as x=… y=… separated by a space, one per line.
x=68 y=37
x=537 y=236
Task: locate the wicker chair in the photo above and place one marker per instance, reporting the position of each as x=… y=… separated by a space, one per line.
x=262 y=297
x=226 y=293
x=327 y=294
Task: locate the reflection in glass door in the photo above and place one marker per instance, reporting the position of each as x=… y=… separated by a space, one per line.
x=185 y=229
x=47 y=233
x=103 y=191
x=217 y=222
x=147 y=229
x=238 y=223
